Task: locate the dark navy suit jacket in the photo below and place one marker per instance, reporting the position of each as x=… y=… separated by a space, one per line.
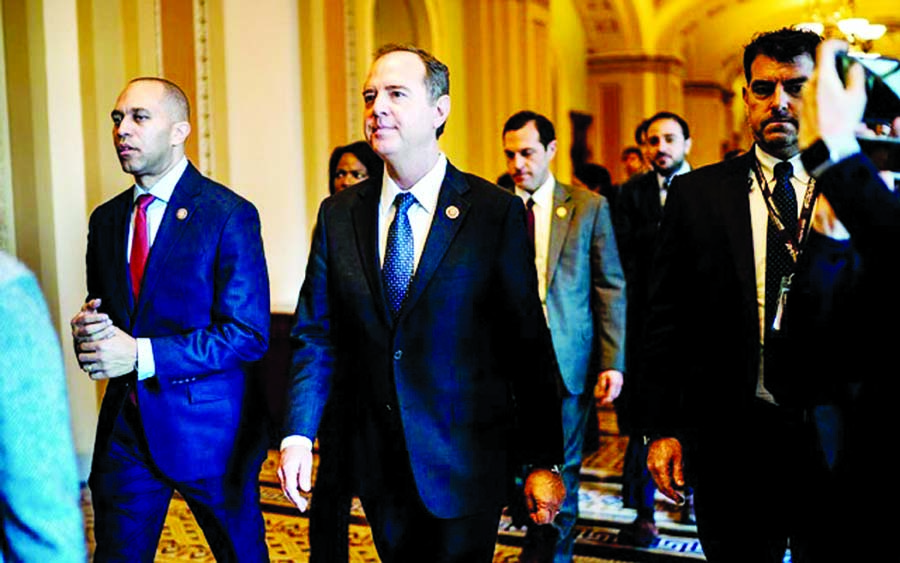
x=464 y=378
x=204 y=304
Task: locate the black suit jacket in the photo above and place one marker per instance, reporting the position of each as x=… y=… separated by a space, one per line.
x=464 y=379
x=839 y=344
x=702 y=334
x=638 y=215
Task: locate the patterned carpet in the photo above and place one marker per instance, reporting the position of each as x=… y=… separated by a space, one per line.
x=600 y=503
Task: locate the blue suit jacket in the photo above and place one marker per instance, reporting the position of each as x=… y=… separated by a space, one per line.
x=585 y=288
x=204 y=304
x=469 y=361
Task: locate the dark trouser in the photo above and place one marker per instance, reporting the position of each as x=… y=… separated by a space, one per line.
x=638 y=488
x=131 y=497
x=575 y=415
x=404 y=531
x=329 y=513
x=758 y=487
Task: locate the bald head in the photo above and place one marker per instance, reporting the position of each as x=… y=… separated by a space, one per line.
x=174 y=99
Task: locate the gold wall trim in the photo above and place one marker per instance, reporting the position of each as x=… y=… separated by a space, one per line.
x=709 y=89
x=201 y=56
x=657 y=64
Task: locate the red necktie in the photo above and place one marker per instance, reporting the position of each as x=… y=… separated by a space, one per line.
x=140 y=243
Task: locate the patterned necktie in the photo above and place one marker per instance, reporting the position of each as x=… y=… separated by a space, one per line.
x=140 y=243
x=399 y=257
x=529 y=220
x=779 y=263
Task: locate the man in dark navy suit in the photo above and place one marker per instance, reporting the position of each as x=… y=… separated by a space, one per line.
x=420 y=306
x=177 y=308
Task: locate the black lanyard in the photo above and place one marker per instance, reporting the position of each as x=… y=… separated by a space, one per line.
x=793 y=241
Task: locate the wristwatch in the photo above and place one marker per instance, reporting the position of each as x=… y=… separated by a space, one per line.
x=555 y=469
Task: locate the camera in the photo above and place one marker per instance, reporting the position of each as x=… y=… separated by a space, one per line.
x=882 y=106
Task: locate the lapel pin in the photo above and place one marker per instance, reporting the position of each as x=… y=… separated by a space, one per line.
x=561 y=212
x=181 y=214
x=452 y=212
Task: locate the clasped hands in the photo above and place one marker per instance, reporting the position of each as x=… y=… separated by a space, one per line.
x=544 y=489
x=104 y=350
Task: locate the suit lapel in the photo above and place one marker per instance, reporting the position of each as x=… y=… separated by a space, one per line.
x=560 y=218
x=122 y=224
x=736 y=211
x=179 y=213
x=444 y=227
x=364 y=215
x=651 y=197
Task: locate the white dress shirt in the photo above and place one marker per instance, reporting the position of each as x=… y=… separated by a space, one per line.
x=420 y=214
x=162 y=192
x=543 y=215
x=664 y=185
x=759 y=220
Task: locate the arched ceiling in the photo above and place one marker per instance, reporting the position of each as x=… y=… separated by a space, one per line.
x=709 y=35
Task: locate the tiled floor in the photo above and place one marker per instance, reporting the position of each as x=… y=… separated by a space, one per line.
x=602 y=515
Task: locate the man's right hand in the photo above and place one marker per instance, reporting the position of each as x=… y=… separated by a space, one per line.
x=295 y=474
x=90 y=325
x=664 y=460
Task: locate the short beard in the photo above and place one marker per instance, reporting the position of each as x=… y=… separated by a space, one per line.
x=783 y=150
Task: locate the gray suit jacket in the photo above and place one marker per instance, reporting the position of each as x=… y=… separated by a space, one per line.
x=585 y=288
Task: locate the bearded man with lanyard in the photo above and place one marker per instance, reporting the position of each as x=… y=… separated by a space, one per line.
x=728 y=246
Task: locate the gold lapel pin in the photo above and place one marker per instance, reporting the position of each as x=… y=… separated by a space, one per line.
x=561 y=212
x=452 y=212
x=181 y=214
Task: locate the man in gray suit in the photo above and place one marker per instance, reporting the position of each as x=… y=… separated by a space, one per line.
x=582 y=289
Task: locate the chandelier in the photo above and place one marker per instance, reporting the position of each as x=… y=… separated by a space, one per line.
x=842 y=22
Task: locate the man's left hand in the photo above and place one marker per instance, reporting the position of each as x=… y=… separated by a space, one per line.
x=113 y=356
x=609 y=385
x=544 y=495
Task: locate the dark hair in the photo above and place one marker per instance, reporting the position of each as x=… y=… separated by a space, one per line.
x=669 y=115
x=595 y=177
x=546 y=132
x=783 y=45
x=361 y=150
x=640 y=131
x=437 y=75
x=632 y=150
x=174 y=95
x=505 y=181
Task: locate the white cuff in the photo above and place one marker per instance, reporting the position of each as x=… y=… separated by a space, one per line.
x=146 y=366
x=841 y=147
x=296 y=440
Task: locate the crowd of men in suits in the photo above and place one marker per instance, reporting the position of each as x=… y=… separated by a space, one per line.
x=467 y=329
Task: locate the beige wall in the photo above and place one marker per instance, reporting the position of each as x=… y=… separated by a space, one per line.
x=48 y=166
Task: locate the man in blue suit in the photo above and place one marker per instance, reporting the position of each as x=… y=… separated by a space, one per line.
x=420 y=307
x=582 y=286
x=177 y=309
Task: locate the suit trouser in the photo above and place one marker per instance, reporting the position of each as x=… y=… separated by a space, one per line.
x=759 y=486
x=131 y=497
x=332 y=499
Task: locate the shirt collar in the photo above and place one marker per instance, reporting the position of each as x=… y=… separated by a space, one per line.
x=163 y=189
x=683 y=169
x=543 y=196
x=767 y=162
x=426 y=190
